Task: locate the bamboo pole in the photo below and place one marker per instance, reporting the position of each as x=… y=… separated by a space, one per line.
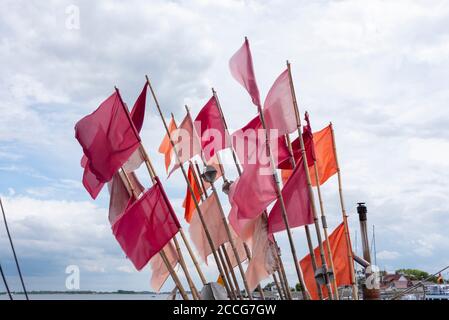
x=153 y=175
x=326 y=235
x=306 y=169
x=222 y=252
x=277 y=285
x=228 y=230
x=132 y=191
x=200 y=214
x=239 y=171
x=13 y=250
x=195 y=293
x=306 y=227
x=345 y=220
x=304 y=289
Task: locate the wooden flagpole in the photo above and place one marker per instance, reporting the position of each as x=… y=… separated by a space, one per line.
x=306 y=169
x=5 y=283
x=200 y=214
x=326 y=235
x=282 y=275
x=222 y=252
x=306 y=227
x=132 y=191
x=225 y=223
x=13 y=250
x=299 y=273
x=345 y=221
x=153 y=173
x=247 y=251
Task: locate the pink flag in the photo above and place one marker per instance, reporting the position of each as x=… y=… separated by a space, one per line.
x=107 y=137
x=256 y=188
x=241 y=65
x=210 y=128
x=187 y=142
x=159 y=271
x=247 y=141
x=244 y=228
x=262 y=263
x=297 y=202
x=213 y=220
x=120 y=197
x=146 y=226
x=240 y=250
x=278 y=107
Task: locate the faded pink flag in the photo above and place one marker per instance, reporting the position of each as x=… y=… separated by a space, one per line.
x=241 y=65
x=240 y=249
x=187 y=142
x=278 y=107
x=212 y=216
x=262 y=263
x=159 y=271
x=297 y=202
x=120 y=196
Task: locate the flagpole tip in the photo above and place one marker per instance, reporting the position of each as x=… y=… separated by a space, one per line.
x=146 y=77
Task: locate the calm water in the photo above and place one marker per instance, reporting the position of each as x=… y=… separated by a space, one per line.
x=88 y=297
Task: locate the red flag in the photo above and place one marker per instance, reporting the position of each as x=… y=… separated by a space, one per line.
x=107 y=137
x=90 y=181
x=138 y=111
x=279 y=110
x=187 y=142
x=339 y=248
x=214 y=222
x=146 y=226
x=241 y=65
x=189 y=203
x=166 y=147
x=297 y=202
x=211 y=130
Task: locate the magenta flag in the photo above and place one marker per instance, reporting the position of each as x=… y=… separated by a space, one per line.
x=146 y=226
x=212 y=216
x=187 y=142
x=107 y=137
x=241 y=65
x=138 y=111
x=211 y=130
x=278 y=107
x=297 y=202
x=90 y=181
x=256 y=188
x=159 y=271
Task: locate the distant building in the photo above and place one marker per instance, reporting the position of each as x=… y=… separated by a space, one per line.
x=394 y=281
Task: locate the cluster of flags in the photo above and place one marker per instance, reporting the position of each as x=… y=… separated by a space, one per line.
x=144 y=222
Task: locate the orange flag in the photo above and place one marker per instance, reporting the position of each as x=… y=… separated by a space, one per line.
x=188 y=203
x=339 y=249
x=325 y=156
x=166 y=148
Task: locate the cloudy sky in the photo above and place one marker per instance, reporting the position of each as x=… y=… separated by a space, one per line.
x=377 y=69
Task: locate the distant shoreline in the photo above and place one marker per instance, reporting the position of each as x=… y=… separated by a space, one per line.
x=89 y=292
